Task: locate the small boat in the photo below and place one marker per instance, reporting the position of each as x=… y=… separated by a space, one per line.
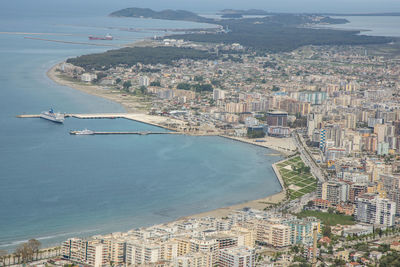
x=83 y=132
x=107 y=37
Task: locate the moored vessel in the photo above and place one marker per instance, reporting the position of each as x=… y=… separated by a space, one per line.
x=83 y=132
x=52 y=116
x=107 y=37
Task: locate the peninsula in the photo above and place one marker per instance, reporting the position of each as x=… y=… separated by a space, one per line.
x=274 y=32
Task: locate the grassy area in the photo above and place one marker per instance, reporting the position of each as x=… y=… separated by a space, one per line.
x=328 y=218
x=298 y=183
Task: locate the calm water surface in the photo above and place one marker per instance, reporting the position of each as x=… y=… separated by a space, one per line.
x=376 y=26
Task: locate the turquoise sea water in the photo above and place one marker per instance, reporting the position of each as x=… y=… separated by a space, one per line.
x=54 y=185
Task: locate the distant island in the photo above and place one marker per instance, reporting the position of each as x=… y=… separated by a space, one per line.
x=260 y=12
x=248 y=12
x=395 y=14
x=164 y=14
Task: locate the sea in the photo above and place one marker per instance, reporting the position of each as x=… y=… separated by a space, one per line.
x=54 y=186
x=371 y=25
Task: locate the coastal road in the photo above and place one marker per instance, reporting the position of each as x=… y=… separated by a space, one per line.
x=307 y=158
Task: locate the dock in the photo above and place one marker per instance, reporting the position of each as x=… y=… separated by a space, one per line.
x=158 y=121
x=133 y=133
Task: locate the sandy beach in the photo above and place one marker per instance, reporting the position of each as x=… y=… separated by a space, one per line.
x=285 y=146
x=131 y=103
x=258 y=204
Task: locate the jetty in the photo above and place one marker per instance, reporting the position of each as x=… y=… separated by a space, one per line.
x=109 y=133
x=159 y=121
x=70 y=42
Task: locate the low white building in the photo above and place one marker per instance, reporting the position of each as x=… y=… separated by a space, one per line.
x=88 y=77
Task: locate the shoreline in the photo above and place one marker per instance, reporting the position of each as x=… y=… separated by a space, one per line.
x=95 y=90
x=138 y=115
x=259 y=204
x=132 y=106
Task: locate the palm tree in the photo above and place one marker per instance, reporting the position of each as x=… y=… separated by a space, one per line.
x=41 y=254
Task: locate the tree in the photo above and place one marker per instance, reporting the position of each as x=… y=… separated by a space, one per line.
x=126 y=85
x=100 y=75
x=306 y=169
x=198 y=78
x=26 y=251
x=379 y=232
x=34 y=245
x=183 y=86
x=339 y=262
x=141 y=90
x=202 y=87
x=155 y=83
x=295 y=249
x=275 y=88
x=392 y=259
x=327 y=231
x=3 y=256
x=118 y=80
x=216 y=83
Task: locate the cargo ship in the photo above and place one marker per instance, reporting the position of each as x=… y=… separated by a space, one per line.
x=51 y=116
x=107 y=37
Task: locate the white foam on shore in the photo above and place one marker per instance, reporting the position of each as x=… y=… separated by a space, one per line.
x=70 y=234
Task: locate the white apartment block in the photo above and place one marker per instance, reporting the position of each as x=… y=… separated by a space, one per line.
x=277 y=235
x=237 y=257
x=144 y=81
x=142 y=252
x=375 y=210
x=194 y=260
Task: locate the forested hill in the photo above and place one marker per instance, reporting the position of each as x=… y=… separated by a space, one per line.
x=167 y=14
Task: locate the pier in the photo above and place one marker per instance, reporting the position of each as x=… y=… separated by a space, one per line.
x=109 y=133
x=70 y=42
x=158 y=121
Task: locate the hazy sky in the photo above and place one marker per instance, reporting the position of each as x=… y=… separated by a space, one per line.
x=279 y=5
x=99 y=6
x=282 y=5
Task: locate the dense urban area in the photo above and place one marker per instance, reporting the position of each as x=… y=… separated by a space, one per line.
x=333 y=111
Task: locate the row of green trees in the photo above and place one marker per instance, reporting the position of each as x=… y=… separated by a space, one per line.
x=27 y=252
x=301 y=168
x=130 y=56
x=198 y=87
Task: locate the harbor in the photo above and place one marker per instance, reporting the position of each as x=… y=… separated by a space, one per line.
x=159 y=121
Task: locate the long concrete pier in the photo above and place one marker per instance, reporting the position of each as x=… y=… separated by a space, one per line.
x=69 y=42
x=159 y=121
x=109 y=133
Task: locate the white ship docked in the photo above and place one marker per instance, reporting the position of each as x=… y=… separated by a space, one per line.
x=50 y=115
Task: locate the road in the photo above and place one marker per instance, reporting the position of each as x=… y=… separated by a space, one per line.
x=307 y=158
